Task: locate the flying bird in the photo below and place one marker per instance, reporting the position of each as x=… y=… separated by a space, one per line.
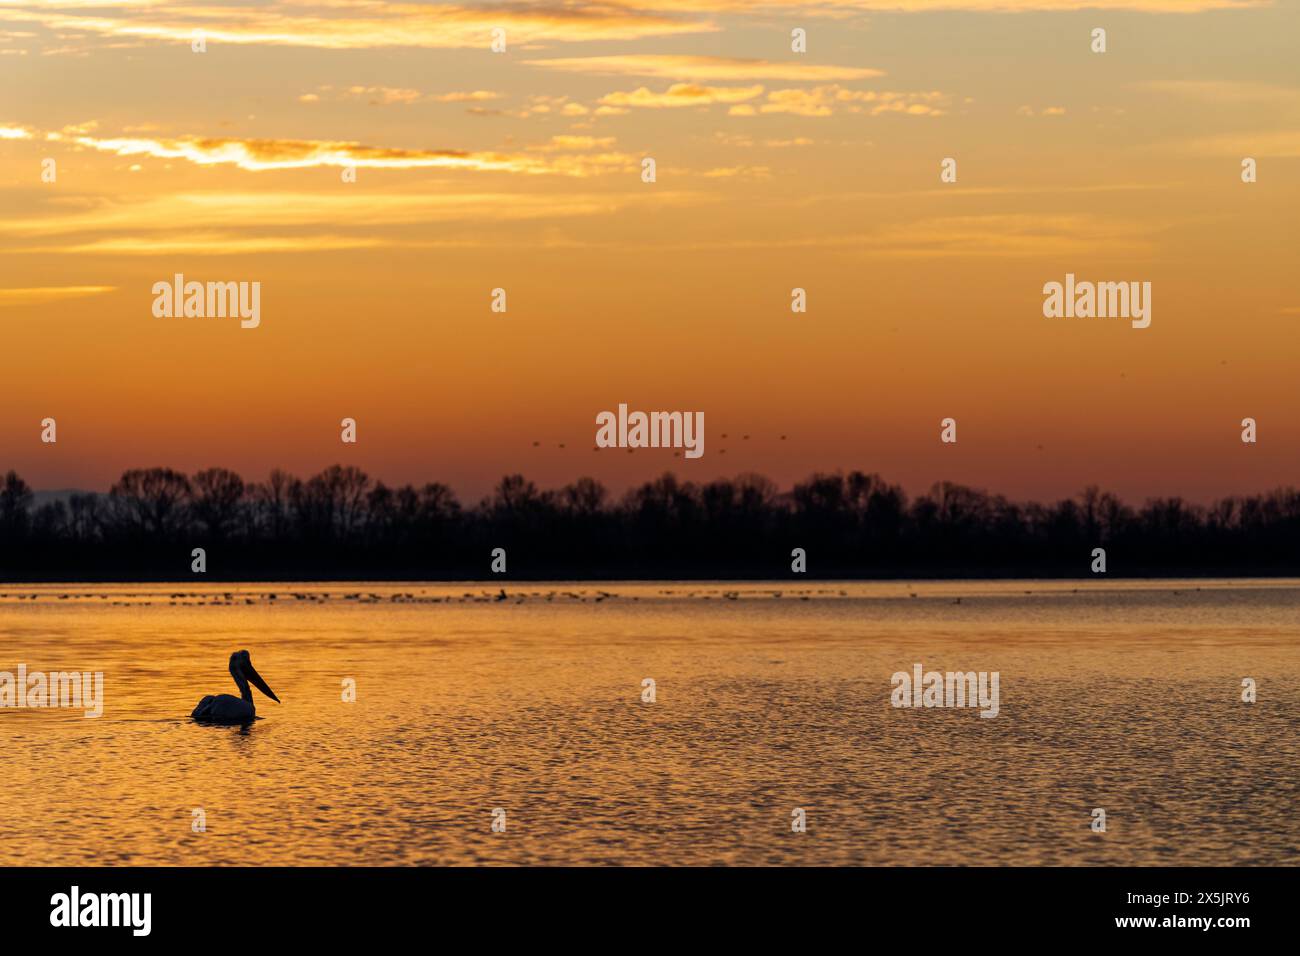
x=228 y=709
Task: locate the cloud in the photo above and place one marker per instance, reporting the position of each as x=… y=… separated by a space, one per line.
x=286 y=222
x=738 y=172
x=465 y=96
x=680 y=67
x=1283 y=143
x=979 y=236
x=208 y=244
x=681 y=94
x=1017 y=235
x=571 y=143
x=285 y=210
x=827 y=100
x=970 y=192
x=357 y=24
x=583 y=165
x=529 y=24
x=260 y=155
x=1225 y=91
x=384 y=95
x=539 y=104
x=843 y=8
x=748 y=142
x=389 y=95
x=43 y=294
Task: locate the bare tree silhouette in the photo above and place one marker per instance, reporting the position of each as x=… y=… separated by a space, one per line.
x=341 y=523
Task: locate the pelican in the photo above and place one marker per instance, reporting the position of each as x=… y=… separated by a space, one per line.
x=228 y=709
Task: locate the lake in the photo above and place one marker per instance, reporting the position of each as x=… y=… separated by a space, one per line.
x=769 y=697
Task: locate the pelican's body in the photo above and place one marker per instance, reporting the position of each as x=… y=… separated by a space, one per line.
x=228 y=709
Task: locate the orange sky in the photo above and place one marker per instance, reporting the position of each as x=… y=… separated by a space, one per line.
x=776 y=170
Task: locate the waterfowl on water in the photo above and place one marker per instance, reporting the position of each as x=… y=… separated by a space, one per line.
x=228 y=709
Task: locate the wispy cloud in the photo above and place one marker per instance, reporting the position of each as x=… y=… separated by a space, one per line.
x=538 y=104
x=1227 y=91
x=43 y=294
x=464 y=96
x=1042 y=111
x=737 y=172
x=260 y=155
x=571 y=143
x=846 y=7
x=682 y=67
x=829 y=99
x=390 y=95
x=994 y=235
x=209 y=244
x=286 y=222
x=78 y=26
x=1001 y=234
x=1283 y=143
x=368 y=24
x=357 y=24
x=384 y=95
x=681 y=94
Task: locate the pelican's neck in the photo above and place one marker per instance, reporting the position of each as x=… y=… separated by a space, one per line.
x=242 y=683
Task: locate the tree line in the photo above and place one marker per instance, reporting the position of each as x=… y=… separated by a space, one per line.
x=342 y=524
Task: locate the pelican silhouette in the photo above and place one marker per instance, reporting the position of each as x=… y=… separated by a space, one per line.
x=228 y=709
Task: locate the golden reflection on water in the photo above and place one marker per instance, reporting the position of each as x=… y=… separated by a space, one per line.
x=527 y=697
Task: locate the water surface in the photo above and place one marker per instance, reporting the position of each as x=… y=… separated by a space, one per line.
x=527 y=697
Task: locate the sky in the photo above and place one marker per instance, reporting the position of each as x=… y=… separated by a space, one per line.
x=774 y=170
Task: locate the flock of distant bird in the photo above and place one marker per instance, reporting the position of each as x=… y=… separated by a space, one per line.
x=231 y=598
x=228 y=709
x=721 y=451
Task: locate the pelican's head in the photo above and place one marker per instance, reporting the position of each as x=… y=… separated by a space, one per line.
x=241 y=663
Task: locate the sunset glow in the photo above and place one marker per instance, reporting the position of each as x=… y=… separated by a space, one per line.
x=775 y=170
